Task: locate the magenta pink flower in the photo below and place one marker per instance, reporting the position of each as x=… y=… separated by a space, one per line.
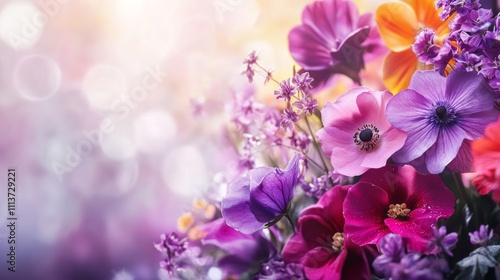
x=321 y=246
x=399 y=200
x=356 y=135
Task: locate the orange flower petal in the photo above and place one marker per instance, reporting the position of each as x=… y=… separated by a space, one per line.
x=428 y=16
x=398 y=69
x=397 y=25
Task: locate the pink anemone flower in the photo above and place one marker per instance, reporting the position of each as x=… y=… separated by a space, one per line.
x=356 y=134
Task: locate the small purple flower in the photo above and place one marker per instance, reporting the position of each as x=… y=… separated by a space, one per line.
x=481 y=236
x=393 y=250
x=424 y=46
x=286 y=90
x=302 y=81
x=261 y=197
x=277 y=269
x=442 y=241
x=469 y=62
x=394 y=263
x=306 y=104
x=300 y=140
x=477 y=20
x=251 y=58
x=250 y=61
x=445 y=54
x=173 y=248
x=441 y=116
x=459 y=6
x=289 y=117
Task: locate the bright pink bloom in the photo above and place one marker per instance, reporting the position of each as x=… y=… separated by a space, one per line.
x=321 y=246
x=399 y=200
x=356 y=134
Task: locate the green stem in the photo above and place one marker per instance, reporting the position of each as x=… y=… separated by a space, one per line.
x=292 y=224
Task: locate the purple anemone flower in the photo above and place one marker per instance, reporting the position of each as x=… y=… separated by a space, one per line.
x=441 y=116
x=261 y=197
x=334 y=38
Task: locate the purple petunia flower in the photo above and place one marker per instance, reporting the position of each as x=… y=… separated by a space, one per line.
x=396 y=199
x=334 y=38
x=481 y=236
x=261 y=197
x=441 y=116
x=442 y=241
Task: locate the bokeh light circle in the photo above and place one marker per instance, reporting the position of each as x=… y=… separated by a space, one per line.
x=104 y=85
x=20 y=24
x=154 y=131
x=37 y=77
x=184 y=171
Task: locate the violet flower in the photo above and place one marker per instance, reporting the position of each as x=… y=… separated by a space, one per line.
x=321 y=245
x=261 y=197
x=424 y=46
x=481 y=236
x=302 y=81
x=173 y=247
x=443 y=242
x=441 y=116
x=399 y=200
x=356 y=135
x=334 y=38
x=395 y=264
x=286 y=91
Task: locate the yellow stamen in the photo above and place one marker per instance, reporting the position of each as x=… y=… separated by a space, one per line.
x=398 y=211
x=338 y=242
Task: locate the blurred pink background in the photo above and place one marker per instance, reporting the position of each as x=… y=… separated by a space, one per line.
x=96 y=114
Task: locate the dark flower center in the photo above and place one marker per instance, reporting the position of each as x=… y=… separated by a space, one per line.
x=338 y=242
x=398 y=211
x=367 y=137
x=441 y=112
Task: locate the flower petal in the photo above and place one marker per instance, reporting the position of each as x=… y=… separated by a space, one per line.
x=309 y=49
x=445 y=149
x=428 y=16
x=397 y=25
x=235 y=207
x=365 y=209
x=463 y=161
x=322 y=264
x=430 y=83
x=390 y=142
x=271 y=197
x=398 y=70
x=408 y=112
x=348 y=161
x=469 y=93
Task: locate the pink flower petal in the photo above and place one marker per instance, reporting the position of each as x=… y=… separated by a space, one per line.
x=364 y=212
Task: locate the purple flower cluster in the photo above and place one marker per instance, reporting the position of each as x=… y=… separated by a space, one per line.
x=173 y=247
x=473 y=44
x=277 y=269
x=395 y=263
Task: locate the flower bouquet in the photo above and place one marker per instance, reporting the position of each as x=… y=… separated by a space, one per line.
x=396 y=180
